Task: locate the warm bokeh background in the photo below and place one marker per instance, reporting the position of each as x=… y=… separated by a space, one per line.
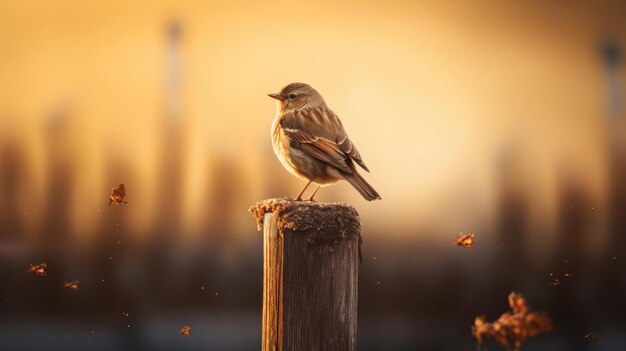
x=506 y=119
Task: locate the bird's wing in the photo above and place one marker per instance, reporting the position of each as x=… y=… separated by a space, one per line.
x=348 y=147
x=318 y=132
x=322 y=149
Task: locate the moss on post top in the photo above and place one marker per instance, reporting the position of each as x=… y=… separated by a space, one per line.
x=330 y=221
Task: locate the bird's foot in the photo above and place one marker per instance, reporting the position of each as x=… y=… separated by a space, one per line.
x=313 y=195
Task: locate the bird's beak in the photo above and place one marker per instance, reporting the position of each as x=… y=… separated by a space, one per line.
x=275 y=96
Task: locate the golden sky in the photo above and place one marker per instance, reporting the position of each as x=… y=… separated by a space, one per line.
x=432 y=95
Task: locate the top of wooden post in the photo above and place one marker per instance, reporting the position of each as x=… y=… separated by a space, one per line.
x=329 y=221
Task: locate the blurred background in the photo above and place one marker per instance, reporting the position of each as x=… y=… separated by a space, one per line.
x=505 y=119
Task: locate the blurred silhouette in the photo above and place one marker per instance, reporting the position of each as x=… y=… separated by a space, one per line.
x=12 y=179
x=56 y=227
x=613 y=56
x=511 y=258
x=570 y=256
x=615 y=272
x=164 y=232
x=116 y=268
x=55 y=233
x=223 y=194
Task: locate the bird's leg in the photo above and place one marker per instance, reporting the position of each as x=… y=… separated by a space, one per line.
x=315 y=192
x=299 y=198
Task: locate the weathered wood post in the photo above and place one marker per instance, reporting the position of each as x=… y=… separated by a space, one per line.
x=310 y=275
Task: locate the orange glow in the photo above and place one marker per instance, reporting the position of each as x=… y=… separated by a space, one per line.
x=431 y=95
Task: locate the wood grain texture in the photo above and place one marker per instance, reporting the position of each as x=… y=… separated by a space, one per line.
x=272 y=286
x=310 y=277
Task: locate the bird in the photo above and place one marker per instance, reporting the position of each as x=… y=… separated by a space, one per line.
x=310 y=141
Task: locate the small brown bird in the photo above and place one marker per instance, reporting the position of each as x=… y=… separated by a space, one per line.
x=117 y=195
x=309 y=140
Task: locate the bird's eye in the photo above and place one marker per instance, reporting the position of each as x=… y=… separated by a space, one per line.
x=292 y=96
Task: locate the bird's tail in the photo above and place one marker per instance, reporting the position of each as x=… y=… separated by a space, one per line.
x=363 y=187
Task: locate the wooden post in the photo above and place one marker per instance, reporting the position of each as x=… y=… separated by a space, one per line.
x=310 y=275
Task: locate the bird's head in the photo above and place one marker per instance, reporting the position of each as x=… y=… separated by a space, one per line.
x=297 y=95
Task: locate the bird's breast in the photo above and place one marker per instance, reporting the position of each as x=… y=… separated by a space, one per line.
x=280 y=144
x=278 y=139
x=297 y=162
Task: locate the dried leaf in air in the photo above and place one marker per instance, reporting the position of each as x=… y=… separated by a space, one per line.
x=73 y=285
x=513 y=328
x=186 y=331
x=465 y=240
x=117 y=195
x=39 y=269
x=593 y=336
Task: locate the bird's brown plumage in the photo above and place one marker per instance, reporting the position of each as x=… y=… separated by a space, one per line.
x=311 y=142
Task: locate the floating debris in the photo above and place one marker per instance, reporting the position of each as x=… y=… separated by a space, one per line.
x=593 y=336
x=512 y=328
x=39 y=269
x=186 y=331
x=117 y=195
x=465 y=240
x=73 y=285
x=555 y=282
x=124 y=314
